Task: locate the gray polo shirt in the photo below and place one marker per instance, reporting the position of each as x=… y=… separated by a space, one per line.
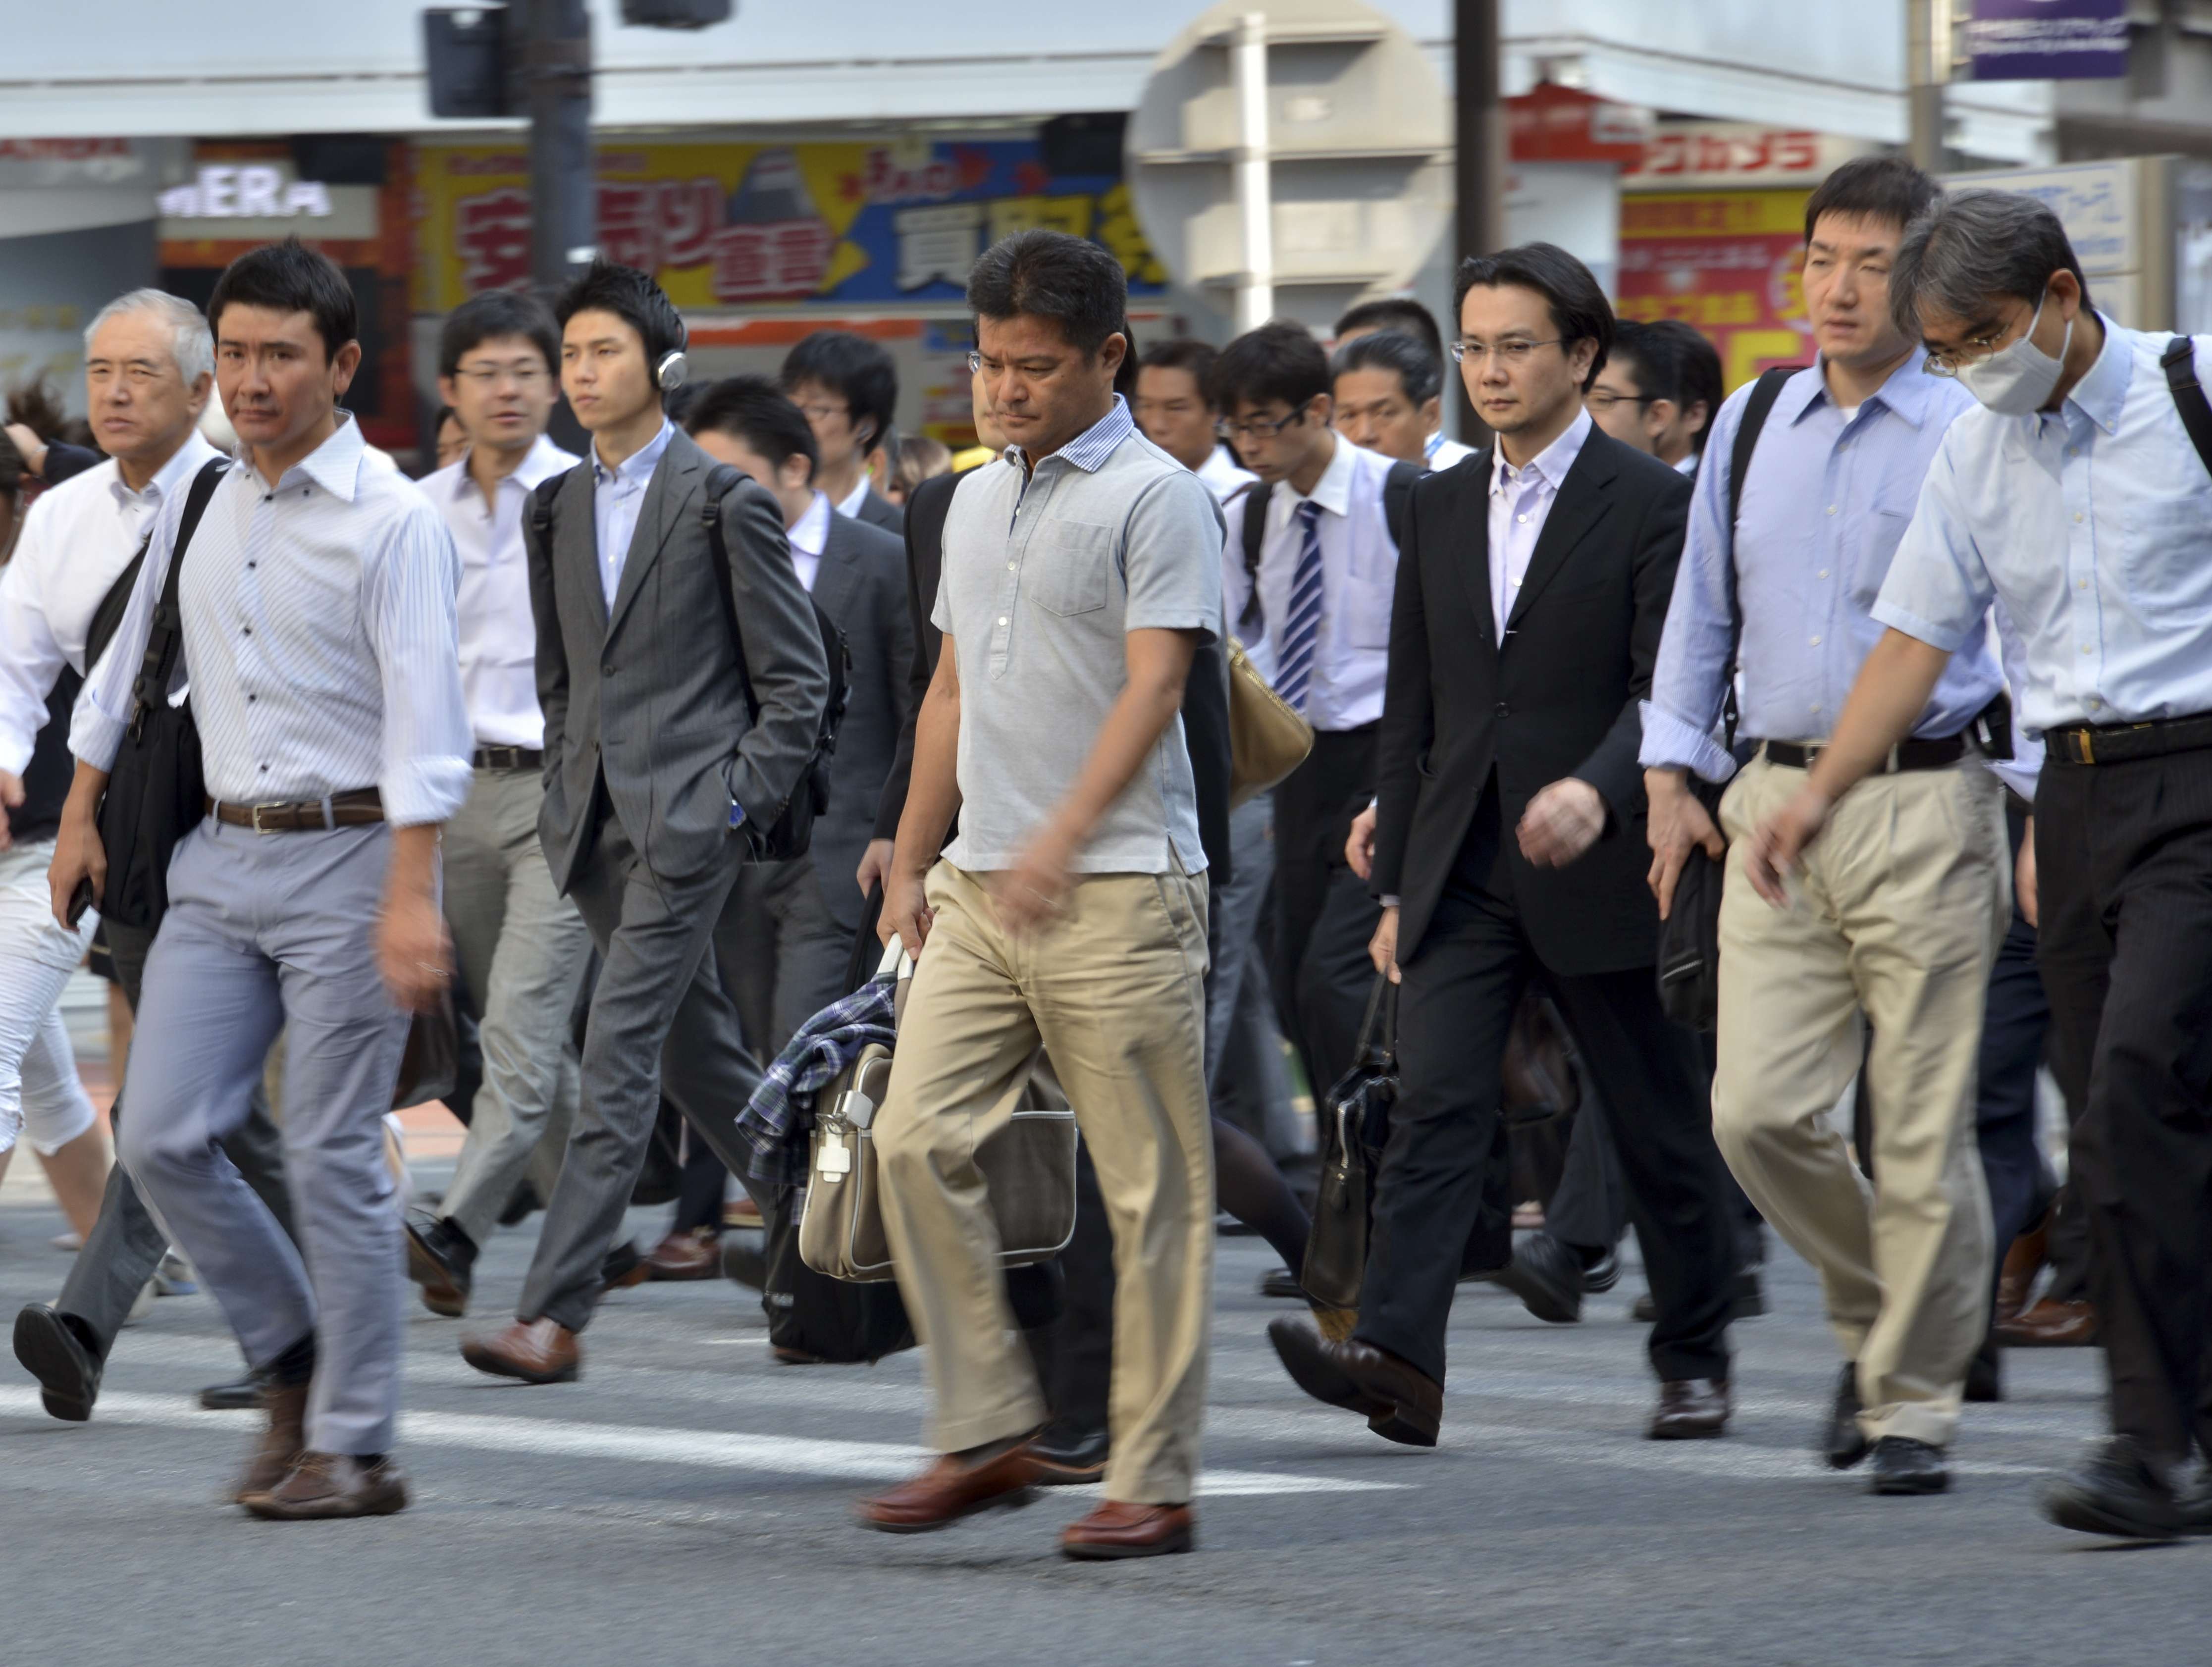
x=1044 y=577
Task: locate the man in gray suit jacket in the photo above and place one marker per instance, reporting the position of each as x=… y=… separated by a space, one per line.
x=659 y=781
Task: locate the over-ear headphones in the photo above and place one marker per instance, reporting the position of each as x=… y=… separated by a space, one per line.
x=672 y=372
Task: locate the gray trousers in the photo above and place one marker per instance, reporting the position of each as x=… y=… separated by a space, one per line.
x=661 y=1021
x=781 y=955
x=1244 y=1068
x=126 y=1242
x=521 y=947
x=267 y=932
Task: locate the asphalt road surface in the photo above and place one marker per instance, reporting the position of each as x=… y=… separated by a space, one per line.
x=688 y=1502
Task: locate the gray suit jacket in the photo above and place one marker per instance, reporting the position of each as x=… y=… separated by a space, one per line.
x=878 y=511
x=862 y=586
x=646 y=696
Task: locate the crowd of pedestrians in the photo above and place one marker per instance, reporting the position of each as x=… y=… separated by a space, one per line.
x=1884 y=671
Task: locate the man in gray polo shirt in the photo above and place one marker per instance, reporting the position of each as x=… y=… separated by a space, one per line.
x=1082 y=573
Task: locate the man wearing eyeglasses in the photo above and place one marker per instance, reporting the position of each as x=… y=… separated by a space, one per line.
x=1897 y=916
x=520 y=944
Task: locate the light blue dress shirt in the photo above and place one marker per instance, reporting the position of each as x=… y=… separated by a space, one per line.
x=2092 y=523
x=1825 y=502
x=617 y=494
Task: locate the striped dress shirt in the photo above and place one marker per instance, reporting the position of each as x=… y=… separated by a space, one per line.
x=320 y=634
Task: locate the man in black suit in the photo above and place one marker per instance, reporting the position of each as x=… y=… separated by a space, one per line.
x=1509 y=847
x=848 y=385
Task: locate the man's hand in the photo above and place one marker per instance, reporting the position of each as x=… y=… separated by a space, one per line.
x=906 y=914
x=1778 y=842
x=2023 y=876
x=1561 y=822
x=11 y=795
x=412 y=950
x=1359 y=847
x=1383 y=947
x=1679 y=825
x=875 y=868
x=78 y=857
x=1031 y=894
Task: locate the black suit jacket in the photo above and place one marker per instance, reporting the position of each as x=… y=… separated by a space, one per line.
x=1559 y=698
x=1204 y=700
x=861 y=585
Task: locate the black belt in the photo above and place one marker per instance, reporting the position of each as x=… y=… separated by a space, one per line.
x=2115 y=744
x=357 y=809
x=1937 y=753
x=508 y=758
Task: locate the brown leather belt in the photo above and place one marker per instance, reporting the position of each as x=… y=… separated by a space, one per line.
x=508 y=758
x=1938 y=753
x=357 y=808
x=2115 y=744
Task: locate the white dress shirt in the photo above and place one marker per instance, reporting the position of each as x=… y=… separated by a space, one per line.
x=617 y=494
x=1222 y=476
x=1359 y=570
x=499 y=638
x=1687 y=465
x=808 y=536
x=856 y=498
x=1442 y=453
x=1520 y=501
x=76 y=541
x=318 y=621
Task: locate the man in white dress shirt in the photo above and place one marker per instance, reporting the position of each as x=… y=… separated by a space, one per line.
x=317 y=602
x=519 y=944
x=1175 y=411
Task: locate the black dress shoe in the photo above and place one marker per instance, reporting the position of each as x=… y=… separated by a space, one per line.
x=2123 y=1492
x=441 y=1259
x=1282 y=1284
x=624 y=1267
x=1547 y=1277
x=1399 y=1403
x=1842 y=1442
x=1068 y=1457
x=1984 y=1379
x=54 y=1352
x=1602 y=1274
x=240 y=1396
x=1691 y=1409
x=1902 y=1465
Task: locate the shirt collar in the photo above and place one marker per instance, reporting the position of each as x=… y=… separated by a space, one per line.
x=856 y=499
x=1332 y=491
x=1906 y=390
x=335 y=465
x=636 y=469
x=1089 y=450
x=809 y=533
x=2103 y=389
x=1553 y=462
x=189 y=459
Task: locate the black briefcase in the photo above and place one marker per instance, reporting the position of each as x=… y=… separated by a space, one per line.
x=1689 y=936
x=1355 y=1124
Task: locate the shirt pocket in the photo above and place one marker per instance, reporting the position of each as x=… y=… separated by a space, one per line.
x=1066 y=569
x=1878 y=540
x=2164 y=553
x=1365 y=611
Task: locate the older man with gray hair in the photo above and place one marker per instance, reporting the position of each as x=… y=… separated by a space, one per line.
x=149 y=365
x=2080 y=495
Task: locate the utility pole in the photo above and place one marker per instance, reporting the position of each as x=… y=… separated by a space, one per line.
x=1480 y=131
x=1927 y=68
x=556 y=91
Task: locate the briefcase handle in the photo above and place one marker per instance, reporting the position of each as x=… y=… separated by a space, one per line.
x=1378 y=1031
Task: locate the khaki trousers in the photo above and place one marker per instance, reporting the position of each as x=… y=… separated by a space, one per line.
x=1896 y=913
x=1114 y=991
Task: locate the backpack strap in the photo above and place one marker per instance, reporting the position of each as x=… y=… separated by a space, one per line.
x=721 y=480
x=2178 y=361
x=542 y=497
x=1255 y=497
x=1763 y=393
x=164 y=641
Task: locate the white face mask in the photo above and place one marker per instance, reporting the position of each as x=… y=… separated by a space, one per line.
x=2017 y=379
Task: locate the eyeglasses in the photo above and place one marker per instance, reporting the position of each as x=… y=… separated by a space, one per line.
x=1258 y=427
x=1949 y=361
x=1604 y=399
x=1509 y=353
x=486 y=376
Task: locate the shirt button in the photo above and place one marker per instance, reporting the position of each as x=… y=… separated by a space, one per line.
x=2078 y=515
x=2096 y=704
x=1002 y=619
x=2085 y=648
x=1823 y=573
x=1011 y=567
x=2081 y=583
x=1523 y=520
x=1831 y=509
x=1816 y=642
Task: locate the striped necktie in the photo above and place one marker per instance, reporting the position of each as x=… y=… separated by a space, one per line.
x=1301 y=619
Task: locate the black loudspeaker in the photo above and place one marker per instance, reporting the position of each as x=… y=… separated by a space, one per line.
x=1086 y=144
x=464 y=51
x=677 y=14
x=343 y=159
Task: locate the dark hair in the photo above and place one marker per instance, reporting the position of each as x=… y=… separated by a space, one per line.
x=1400 y=313
x=438 y=421
x=11 y=469
x=1420 y=373
x=1578 y=306
x=859 y=372
x=1278 y=360
x=754 y=409
x=1182 y=353
x=1873 y=188
x=632 y=297
x=1696 y=376
x=1072 y=281
x=492 y=315
x=1973 y=246
x=290 y=277
x=37 y=408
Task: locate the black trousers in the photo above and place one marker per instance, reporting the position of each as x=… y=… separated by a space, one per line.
x=1453 y=1010
x=1324 y=919
x=2124 y=857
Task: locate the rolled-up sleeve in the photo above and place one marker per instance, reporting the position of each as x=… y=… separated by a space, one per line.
x=1171 y=559
x=103 y=709
x=1938 y=589
x=1689 y=684
x=413 y=621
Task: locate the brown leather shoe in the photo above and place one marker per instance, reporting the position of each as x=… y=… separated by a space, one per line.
x=2051 y=1325
x=2022 y=1262
x=324 y=1485
x=1690 y=1407
x=1399 y=1403
x=694 y=1255
x=539 y=1351
x=281 y=1444
x=949 y=1490
x=1119 y=1529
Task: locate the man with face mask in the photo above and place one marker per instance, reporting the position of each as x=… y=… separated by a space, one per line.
x=2079 y=498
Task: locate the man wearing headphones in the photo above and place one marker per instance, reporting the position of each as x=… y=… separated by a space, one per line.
x=663 y=768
